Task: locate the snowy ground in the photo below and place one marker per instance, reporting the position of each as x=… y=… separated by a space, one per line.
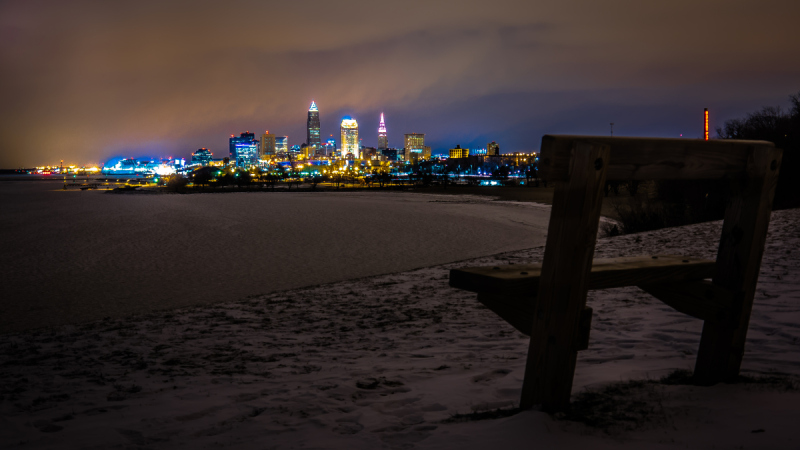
x=390 y=361
x=72 y=256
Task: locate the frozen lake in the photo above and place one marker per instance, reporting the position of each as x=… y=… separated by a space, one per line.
x=70 y=256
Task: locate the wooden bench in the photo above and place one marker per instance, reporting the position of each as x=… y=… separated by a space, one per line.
x=548 y=301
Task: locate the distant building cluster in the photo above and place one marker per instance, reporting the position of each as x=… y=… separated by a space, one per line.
x=492 y=149
x=268 y=150
x=247 y=151
x=146 y=166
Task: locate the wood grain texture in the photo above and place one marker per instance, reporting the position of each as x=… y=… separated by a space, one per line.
x=744 y=232
x=571 y=239
x=652 y=158
x=523 y=279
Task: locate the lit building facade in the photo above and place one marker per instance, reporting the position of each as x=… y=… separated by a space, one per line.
x=426 y=152
x=492 y=149
x=313 y=126
x=414 y=143
x=383 y=140
x=267 y=145
x=459 y=152
x=244 y=149
x=281 y=144
x=350 y=144
x=202 y=157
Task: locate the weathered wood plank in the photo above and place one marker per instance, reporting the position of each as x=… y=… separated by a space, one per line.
x=571 y=238
x=652 y=158
x=700 y=299
x=744 y=232
x=523 y=279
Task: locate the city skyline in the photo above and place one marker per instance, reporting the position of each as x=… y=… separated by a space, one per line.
x=85 y=79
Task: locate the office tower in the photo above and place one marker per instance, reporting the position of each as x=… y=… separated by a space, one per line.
x=414 y=143
x=492 y=149
x=313 y=126
x=383 y=141
x=267 y=145
x=349 y=141
x=281 y=144
x=202 y=157
x=244 y=149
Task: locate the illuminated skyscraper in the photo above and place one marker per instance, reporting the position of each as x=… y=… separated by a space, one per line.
x=267 y=145
x=383 y=141
x=414 y=143
x=349 y=140
x=313 y=126
x=244 y=149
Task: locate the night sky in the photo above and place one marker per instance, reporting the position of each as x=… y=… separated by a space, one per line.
x=85 y=81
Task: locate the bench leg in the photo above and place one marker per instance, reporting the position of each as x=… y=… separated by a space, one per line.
x=572 y=234
x=744 y=233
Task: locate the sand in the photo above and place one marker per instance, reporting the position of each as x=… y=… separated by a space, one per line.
x=395 y=361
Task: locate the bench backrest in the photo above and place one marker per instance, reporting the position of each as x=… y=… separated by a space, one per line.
x=653 y=158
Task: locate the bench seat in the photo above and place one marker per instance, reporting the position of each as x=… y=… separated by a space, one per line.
x=679 y=281
x=523 y=279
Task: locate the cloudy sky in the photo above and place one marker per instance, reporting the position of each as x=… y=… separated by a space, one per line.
x=84 y=81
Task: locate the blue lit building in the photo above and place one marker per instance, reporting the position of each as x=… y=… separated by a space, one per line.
x=202 y=157
x=244 y=149
x=281 y=144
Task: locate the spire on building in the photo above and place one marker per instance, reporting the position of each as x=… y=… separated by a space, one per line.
x=383 y=141
x=382 y=126
x=313 y=106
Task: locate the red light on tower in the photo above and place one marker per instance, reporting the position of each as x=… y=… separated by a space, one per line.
x=705 y=123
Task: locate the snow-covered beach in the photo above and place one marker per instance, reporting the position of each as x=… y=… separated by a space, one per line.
x=400 y=360
x=72 y=256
